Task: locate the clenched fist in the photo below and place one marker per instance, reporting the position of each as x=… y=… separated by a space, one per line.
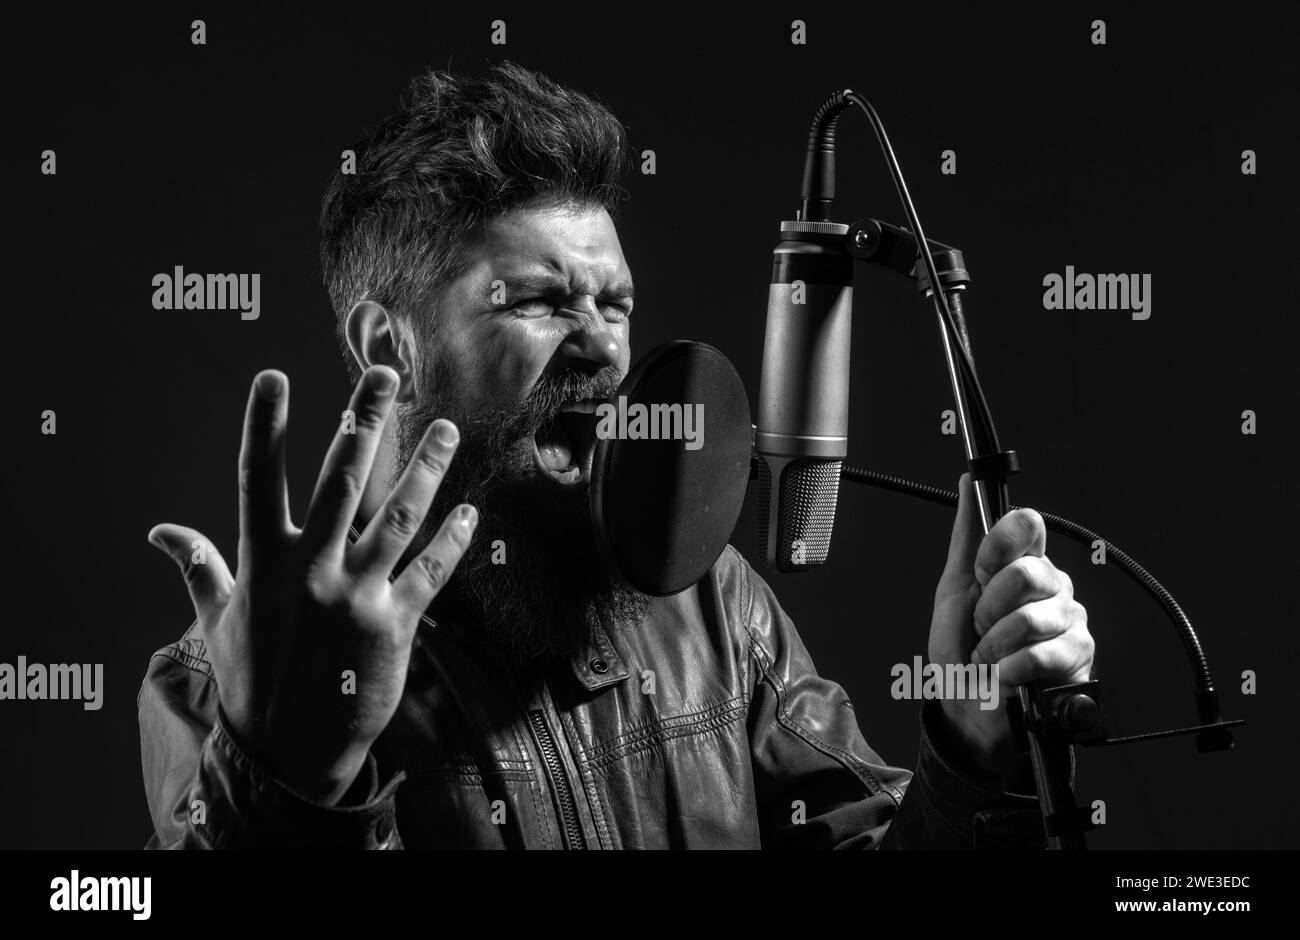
x=1002 y=601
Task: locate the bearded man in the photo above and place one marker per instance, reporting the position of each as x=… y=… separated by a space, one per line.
x=438 y=656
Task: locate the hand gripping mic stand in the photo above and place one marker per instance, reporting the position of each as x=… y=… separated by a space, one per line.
x=1046 y=721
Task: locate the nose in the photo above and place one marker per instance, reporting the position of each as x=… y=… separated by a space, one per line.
x=593 y=343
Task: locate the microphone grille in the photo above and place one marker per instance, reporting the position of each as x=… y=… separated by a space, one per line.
x=809 y=490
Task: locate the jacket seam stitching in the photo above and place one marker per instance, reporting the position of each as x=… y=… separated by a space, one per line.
x=786 y=720
x=713 y=724
x=535 y=785
x=542 y=823
x=648 y=727
x=759 y=655
x=186 y=660
x=472 y=767
x=661 y=726
x=674 y=729
x=519 y=776
x=583 y=767
x=748 y=684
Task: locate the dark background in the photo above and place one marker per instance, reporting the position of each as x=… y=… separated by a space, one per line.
x=1119 y=158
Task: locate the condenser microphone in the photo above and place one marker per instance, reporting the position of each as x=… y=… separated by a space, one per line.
x=802 y=435
x=801 y=438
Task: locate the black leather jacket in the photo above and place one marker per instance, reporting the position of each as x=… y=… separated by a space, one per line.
x=708 y=727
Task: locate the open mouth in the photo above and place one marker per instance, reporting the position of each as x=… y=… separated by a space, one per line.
x=565 y=445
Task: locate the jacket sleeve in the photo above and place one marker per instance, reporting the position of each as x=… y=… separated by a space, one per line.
x=205 y=792
x=820 y=785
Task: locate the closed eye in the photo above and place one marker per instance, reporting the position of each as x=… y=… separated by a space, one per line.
x=541 y=306
x=534 y=306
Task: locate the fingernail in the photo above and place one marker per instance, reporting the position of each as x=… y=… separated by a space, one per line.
x=446 y=432
x=385 y=381
x=975 y=656
x=468 y=516
x=268 y=385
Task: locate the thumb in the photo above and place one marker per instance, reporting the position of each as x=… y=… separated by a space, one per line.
x=959 y=572
x=202 y=566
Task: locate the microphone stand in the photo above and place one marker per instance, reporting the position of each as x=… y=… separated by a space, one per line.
x=989 y=467
x=1063 y=820
x=1045 y=721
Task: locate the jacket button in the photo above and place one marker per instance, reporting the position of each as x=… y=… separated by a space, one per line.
x=599 y=666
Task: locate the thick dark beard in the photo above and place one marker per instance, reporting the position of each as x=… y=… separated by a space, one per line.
x=532 y=581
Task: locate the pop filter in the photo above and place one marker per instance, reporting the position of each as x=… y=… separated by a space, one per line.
x=663 y=503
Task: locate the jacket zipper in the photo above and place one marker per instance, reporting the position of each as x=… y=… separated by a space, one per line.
x=568 y=811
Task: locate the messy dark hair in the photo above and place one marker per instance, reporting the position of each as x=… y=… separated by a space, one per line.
x=458 y=151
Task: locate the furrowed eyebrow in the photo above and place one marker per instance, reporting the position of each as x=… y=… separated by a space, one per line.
x=528 y=284
x=620 y=291
x=551 y=286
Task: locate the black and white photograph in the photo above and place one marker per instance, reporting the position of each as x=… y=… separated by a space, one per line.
x=650 y=427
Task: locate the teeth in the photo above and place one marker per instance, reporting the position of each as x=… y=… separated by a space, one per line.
x=586 y=407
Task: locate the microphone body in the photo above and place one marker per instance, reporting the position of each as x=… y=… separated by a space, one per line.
x=801 y=438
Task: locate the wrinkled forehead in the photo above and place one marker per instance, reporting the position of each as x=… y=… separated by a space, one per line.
x=573 y=243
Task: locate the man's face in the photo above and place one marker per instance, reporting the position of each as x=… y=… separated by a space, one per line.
x=527 y=340
x=546 y=298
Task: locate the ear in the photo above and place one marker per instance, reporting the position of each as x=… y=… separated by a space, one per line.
x=378 y=338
